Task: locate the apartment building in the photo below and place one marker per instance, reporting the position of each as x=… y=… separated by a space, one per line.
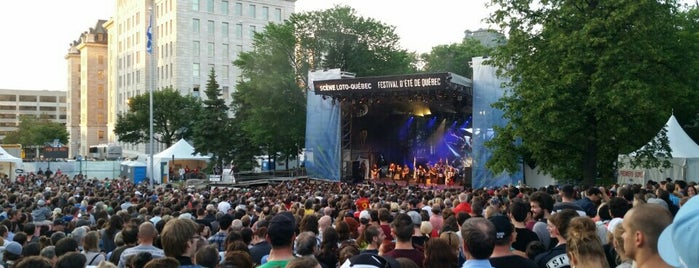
x=14 y=104
x=189 y=38
x=87 y=90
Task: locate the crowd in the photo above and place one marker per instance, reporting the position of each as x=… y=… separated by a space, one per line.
x=60 y=221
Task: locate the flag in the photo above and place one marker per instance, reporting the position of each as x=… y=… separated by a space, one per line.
x=149 y=36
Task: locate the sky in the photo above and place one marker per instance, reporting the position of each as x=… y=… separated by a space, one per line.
x=37 y=33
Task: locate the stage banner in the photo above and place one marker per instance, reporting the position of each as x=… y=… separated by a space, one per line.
x=486 y=91
x=323 y=118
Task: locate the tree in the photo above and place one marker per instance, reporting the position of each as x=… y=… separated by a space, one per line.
x=212 y=128
x=36 y=131
x=173 y=116
x=590 y=80
x=339 y=38
x=270 y=106
x=454 y=57
x=269 y=102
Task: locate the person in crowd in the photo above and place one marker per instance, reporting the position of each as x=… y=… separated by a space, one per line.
x=179 y=238
x=374 y=236
x=437 y=256
x=146 y=235
x=621 y=260
x=91 y=248
x=590 y=202
x=166 y=262
x=71 y=260
x=479 y=242
x=503 y=256
x=304 y=262
x=219 y=238
x=568 y=201
x=34 y=262
x=281 y=235
x=116 y=223
x=259 y=246
x=518 y=213
x=207 y=256
x=642 y=226
x=129 y=236
x=328 y=254
x=541 y=204
x=306 y=244
x=556 y=257
x=583 y=246
x=402 y=228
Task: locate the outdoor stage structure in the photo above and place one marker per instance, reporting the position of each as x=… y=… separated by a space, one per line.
x=413 y=119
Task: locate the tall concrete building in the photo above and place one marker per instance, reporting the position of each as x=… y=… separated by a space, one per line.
x=189 y=38
x=87 y=90
x=49 y=104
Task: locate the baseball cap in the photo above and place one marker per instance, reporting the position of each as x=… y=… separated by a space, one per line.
x=41 y=203
x=365 y=215
x=415 y=217
x=676 y=243
x=503 y=226
x=370 y=260
x=658 y=201
x=283 y=224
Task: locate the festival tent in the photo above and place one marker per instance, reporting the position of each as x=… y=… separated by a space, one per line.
x=9 y=163
x=685 y=159
x=180 y=154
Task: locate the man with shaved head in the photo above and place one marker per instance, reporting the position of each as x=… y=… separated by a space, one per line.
x=146 y=234
x=642 y=227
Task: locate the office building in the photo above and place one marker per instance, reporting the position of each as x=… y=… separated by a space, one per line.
x=14 y=104
x=189 y=38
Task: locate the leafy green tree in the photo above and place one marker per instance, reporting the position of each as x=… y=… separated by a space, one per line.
x=590 y=80
x=270 y=106
x=212 y=128
x=339 y=38
x=173 y=116
x=269 y=102
x=454 y=57
x=36 y=131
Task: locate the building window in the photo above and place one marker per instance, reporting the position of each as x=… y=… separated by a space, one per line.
x=225 y=51
x=195 y=25
x=265 y=13
x=47 y=109
x=47 y=98
x=239 y=31
x=210 y=27
x=210 y=50
x=210 y=6
x=100 y=134
x=253 y=11
x=239 y=9
x=100 y=103
x=224 y=30
x=27 y=98
x=195 y=71
x=196 y=48
x=195 y=5
x=224 y=72
x=253 y=29
x=100 y=59
x=100 y=89
x=8 y=97
x=278 y=14
x=224 y=7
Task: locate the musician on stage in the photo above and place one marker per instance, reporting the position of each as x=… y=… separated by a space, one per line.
x=375 y=172
x=405 y=173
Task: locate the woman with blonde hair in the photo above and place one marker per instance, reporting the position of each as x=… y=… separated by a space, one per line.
x=618 y=242
x=584 y=247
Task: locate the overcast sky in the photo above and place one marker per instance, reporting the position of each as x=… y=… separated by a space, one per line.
x=37 y=33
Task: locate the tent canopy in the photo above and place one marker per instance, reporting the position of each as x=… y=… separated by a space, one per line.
x=8 y=163
x=180 y=150
x=685 y=159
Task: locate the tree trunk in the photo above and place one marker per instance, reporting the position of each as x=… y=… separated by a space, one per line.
x=589 y=162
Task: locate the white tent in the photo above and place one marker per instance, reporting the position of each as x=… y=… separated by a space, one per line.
x=179 y=154
x=685 y=159
x=8 y=163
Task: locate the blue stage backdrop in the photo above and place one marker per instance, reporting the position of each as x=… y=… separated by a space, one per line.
x=322 y=131
x=487 y=90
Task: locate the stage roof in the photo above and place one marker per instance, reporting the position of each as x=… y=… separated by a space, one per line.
x=442 y=92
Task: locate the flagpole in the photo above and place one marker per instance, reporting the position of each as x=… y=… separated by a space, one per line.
x=149 y=49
